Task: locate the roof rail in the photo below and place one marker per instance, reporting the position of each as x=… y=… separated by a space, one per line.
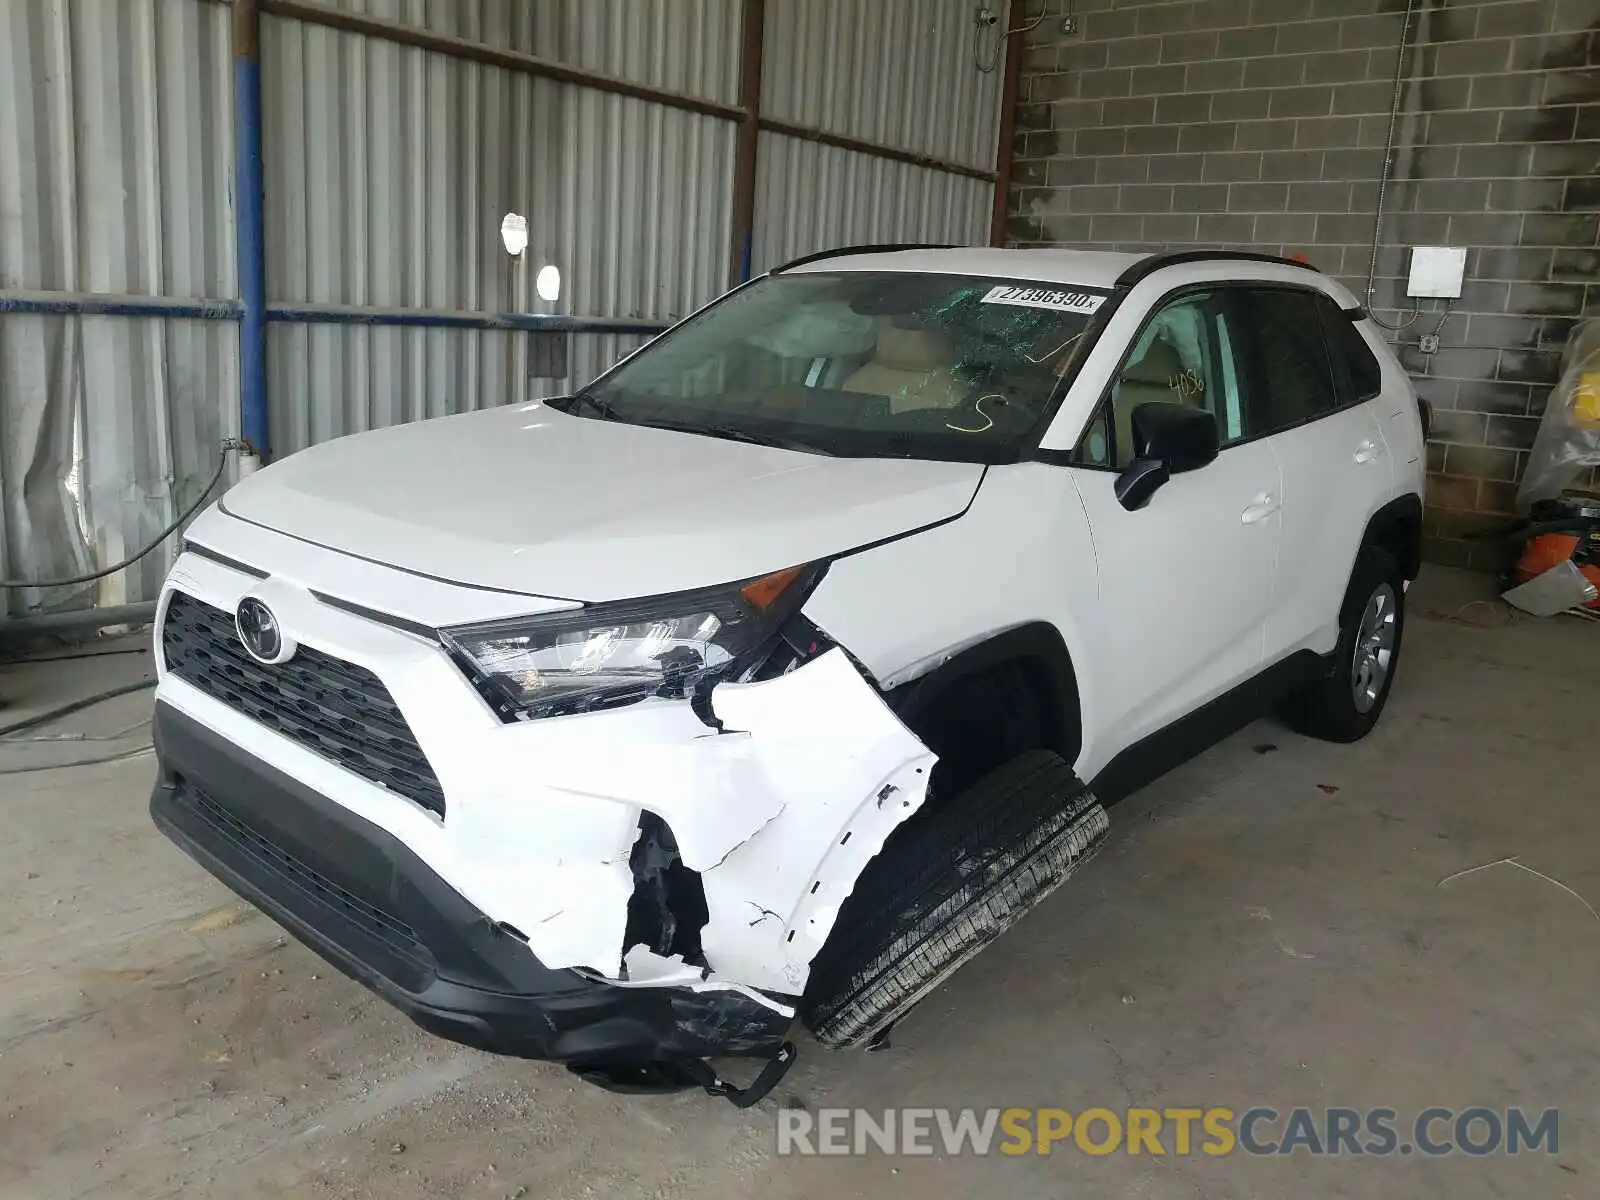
x=1172 y=258
x=841 y=251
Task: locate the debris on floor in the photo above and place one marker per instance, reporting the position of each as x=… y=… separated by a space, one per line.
x=1554 y=591
x=1513 y=861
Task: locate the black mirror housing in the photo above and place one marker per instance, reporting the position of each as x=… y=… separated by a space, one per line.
x=1182 y=437
x=1142 y=479
x=1168 y=439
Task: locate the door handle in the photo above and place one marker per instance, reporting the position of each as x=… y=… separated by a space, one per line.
x=1367 y=451
x=1259 y=509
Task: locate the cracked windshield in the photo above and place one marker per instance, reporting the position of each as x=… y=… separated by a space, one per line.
x=953 y=367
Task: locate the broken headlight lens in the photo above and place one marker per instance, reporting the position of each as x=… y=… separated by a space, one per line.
x=604 y=655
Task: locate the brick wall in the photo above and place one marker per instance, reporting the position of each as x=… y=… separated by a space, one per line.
x=1261 y=123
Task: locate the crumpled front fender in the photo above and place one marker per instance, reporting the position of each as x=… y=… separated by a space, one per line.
x=778 y=814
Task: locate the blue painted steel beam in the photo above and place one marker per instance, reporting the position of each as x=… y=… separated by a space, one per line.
x=326 y=314
x=249 y=227
x=72 y=304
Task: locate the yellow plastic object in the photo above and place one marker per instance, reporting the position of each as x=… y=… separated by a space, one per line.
x=1586 y=400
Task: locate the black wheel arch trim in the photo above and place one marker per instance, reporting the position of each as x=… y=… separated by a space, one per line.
x=1402 y=516
x=1036 y=642
x=1397 y=522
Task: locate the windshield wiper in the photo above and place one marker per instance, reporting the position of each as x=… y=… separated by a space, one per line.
x=735 y=434
x=571 y=404
x=603 y=409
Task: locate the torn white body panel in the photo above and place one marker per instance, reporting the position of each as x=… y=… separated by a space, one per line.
x=541 y=816
x=847 y=772
x=779 y=814
x=644 y=968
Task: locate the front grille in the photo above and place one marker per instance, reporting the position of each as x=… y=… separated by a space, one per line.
x=331 y=707
x=398 y=937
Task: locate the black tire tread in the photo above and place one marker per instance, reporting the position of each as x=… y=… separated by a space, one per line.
x=1325 y=709
x=944 y=887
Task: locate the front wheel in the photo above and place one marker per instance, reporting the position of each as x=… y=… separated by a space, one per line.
x=1345 y=704
x=946 y=884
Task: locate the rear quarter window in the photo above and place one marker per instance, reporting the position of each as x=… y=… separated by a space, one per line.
x=1354 y=358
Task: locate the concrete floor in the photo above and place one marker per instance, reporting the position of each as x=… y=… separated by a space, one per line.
x=1263 y=928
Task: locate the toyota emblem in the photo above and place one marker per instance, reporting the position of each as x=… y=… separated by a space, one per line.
x=259 y=631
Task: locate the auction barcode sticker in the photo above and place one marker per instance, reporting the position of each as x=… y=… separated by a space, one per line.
x=1033 y=297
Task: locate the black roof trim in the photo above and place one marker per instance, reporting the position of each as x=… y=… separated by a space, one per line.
x=841 y=251
x=1148 y=266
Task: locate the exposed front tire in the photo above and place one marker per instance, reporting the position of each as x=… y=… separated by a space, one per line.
x=1344 y=705
x=946 y=885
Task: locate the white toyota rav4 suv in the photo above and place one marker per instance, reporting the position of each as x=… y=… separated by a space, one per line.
x=773 y=674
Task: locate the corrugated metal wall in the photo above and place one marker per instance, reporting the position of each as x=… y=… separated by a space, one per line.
x=330 y=380
x=116 y=145
x=115 y=159
x=689 y=46
x=810 y=197
x=899 y=74
x=387 y=169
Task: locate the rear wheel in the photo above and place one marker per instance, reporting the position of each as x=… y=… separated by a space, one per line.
x=1344 y=705
x=946 y=885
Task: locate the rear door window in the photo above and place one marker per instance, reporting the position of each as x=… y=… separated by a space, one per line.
x=1292 y=379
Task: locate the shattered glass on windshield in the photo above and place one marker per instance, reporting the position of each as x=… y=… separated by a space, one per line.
x=861 y=363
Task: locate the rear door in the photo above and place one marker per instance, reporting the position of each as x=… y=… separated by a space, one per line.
x=1315 y=408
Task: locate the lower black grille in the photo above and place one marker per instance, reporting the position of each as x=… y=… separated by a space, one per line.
x=398 y=937
x=331 y=707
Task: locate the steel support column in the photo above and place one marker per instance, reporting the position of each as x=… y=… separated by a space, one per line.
x=248 y=223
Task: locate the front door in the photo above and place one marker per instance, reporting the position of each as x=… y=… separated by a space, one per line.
x=1186 y=582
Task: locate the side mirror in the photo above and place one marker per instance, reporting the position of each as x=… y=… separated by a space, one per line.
x=1168 y=439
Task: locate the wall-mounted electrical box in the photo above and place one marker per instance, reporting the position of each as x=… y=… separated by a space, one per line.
x=1437 y=272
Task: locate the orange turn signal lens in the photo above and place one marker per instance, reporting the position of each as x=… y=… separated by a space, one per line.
x=764 y=592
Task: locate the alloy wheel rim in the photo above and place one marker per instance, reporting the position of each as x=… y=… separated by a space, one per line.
x=1374 y=650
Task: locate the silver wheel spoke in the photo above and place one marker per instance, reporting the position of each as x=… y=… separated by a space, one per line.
x=1374 y=648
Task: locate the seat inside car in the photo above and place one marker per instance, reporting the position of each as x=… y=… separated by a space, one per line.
x=1150 y=378
x=914 y=368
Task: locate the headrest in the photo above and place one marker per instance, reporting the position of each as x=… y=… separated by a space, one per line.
x=912 y=349
x=1161 y=363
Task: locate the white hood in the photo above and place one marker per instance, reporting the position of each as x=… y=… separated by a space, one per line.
x=528 y=499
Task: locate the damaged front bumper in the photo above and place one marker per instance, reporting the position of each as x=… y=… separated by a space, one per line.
x=556 y=837
x=365 y=902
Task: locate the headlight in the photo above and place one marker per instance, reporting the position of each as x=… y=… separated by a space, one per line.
x=604 y=655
